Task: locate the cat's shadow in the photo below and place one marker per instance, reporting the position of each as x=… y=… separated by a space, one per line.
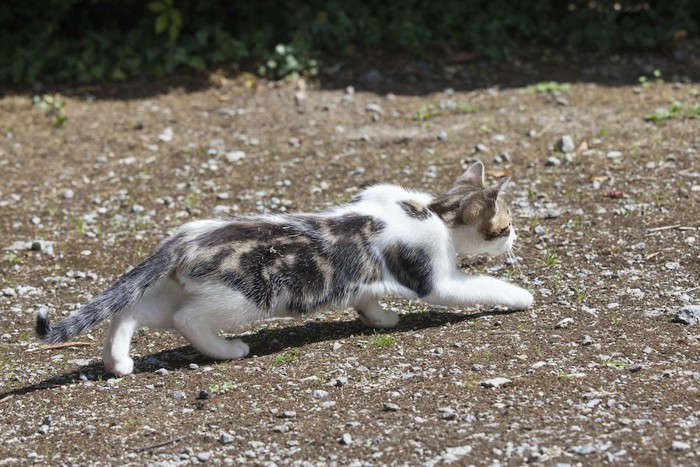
x=263 y=342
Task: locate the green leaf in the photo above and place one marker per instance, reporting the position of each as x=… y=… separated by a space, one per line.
x=176 y=17
x=197 y=63
x=173 y=32
x=162 y=22
x=156 y=7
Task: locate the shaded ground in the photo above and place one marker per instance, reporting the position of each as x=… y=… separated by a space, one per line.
x=609 y=237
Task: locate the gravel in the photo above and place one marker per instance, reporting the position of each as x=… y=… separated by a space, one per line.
x=616 y=386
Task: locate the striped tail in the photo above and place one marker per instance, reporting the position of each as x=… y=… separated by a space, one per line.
x=122 y=294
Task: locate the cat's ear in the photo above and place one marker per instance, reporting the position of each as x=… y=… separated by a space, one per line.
x=473 y=176
x=498 y=188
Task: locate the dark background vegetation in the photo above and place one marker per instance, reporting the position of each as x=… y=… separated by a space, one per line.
x=49 y=41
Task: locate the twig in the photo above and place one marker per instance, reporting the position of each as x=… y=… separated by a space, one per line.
x=63 y=345
x=9 y=396
x=157 y=445
x=665 y=227
x=652 y=255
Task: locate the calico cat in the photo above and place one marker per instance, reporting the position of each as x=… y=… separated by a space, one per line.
x=213 y=275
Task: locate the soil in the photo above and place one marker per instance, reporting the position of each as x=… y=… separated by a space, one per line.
x=596 y=372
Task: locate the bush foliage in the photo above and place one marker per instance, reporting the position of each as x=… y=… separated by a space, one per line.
x=94 y=40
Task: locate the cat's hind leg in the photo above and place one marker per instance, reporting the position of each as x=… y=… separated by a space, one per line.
x=155 y=310
x=199 y=321
x=373 y=315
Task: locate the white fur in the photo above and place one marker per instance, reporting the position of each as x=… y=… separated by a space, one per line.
x=200 y=310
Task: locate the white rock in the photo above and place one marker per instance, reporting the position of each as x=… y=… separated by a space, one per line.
x=495 y=382
x=235 y=156
x=565 y=323
x=166 y=135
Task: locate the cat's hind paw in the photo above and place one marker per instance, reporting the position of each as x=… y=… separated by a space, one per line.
x=521 y=300
x=381 y=319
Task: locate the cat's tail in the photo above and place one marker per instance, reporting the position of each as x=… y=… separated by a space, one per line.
x=122 y=294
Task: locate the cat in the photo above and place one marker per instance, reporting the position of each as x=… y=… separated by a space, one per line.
x=214 y=275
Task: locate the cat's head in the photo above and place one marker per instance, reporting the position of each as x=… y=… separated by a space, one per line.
x=477 y=215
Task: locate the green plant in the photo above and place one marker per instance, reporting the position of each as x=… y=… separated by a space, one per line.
x=14 y=257
x=167 y=18
x=382 y=340
x=53 y=107
x=614 y=318
x=545 y=86
x=289 y=62
x=616 y=363
x=287 y=357
x=425 y=112
x=550 y=257
x=580 y=296
x=468 y=108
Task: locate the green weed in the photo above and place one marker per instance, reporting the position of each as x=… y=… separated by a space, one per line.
x=287 y=357
x=580 y=296
x=53 y=107
x=425 y=112
x=550 y=257
x=545 y=86
x=614 y=318
x=383 y=340
x=469 y=108
x=616 y=363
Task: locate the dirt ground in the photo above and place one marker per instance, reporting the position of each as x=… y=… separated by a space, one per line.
x=597 y=372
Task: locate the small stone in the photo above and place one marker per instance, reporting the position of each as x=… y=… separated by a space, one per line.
x=204 y=394
x=680 y=446
x=552 y=161
x=448 y=413
x=586 y=340
x=43 y=429
x=193 y=366
x=481 y=148
x=320 y=393
x=137 y=208
x=336 y=346
x=442 y=135
x=80 y=361
x=166 y=135
x=391 y=407
x=288 y=414
x=204 y=456
x=89 y=429
x=583 y=450
x=613 y=154
x=634 y=368
x=346 y=440
x=502 y=157
x=565 y=144
x=495 y=382
x=225 y=438
x=280 y=429
x=235 y=156
x=375 y=108
x=161 y=371
x=68 y=194
x=179 y=394
x=565 y=323
x=477 y=367
x=672 y=265
x=689 y=314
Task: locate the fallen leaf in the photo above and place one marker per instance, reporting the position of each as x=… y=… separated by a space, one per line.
x=598 y=178
x=498 y=173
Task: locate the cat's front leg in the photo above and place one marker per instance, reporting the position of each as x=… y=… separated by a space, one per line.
x=462 y=289
x=373 y=315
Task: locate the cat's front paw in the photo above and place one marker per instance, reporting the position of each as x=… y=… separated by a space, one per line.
x=520 y=300
x=119 y=367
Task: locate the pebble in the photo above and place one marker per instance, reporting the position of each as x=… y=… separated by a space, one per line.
x=680 y=446
x=565 y=323
x=280 y=429
x=442 y=136
x=565 y=144
x=689 y=314
x=502 y=157
x=672 y=265
x=613 y=154
x=320 y=393
x=346 y=440
x=204 y=394
x=68 y=194
x=586 y=340
x=481 y=148
x=391 y=407
x=161 y=371
x=80 y=361
x=375 y=108
x=477 y=367
x=204 y=456
x=179 y=394
x=166 y=135
x=552 y=161
x=495 y=382
x=336 y=346
x=225 y=438
x=89 y=429
x=235 y=156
